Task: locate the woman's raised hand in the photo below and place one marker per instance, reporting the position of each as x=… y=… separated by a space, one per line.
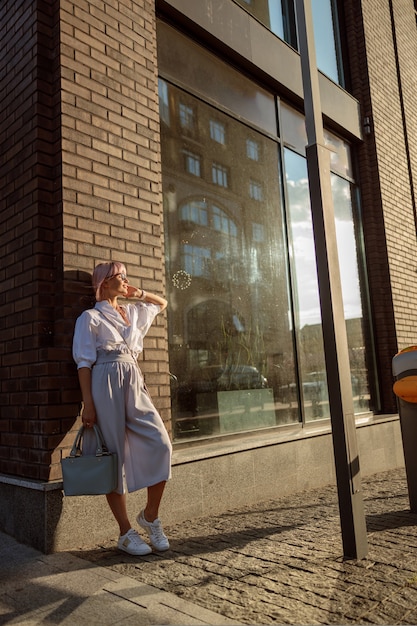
x=133 y=292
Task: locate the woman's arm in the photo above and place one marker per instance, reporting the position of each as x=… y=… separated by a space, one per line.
x=89 y=410
x=145 y=296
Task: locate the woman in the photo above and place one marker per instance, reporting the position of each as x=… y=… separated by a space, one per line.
x=107 y=341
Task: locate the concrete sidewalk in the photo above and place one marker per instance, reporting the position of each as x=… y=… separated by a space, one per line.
x=64 y=589
x=276 y=563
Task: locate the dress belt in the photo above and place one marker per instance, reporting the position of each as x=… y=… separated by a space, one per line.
x=113 y=356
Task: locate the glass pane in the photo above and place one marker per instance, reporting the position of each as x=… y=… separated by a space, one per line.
x=325 y=39
x=295 y=137
x=293 y=129
x=307 y=301
x=185 y=61
x=340 y=159
x=277 y=15
x=352 y=300
x=230 y=331
x=312 y=369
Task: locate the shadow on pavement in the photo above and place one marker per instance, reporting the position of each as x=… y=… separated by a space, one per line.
x=390 y=520
x=191 y=546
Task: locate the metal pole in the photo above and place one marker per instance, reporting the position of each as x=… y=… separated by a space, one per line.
x=352 y=516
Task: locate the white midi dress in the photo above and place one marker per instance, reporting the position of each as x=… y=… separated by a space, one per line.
x=130 y=423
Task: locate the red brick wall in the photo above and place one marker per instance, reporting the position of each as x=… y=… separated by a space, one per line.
x=64 y=211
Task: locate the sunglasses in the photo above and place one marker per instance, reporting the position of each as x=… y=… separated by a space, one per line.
x=121 y=274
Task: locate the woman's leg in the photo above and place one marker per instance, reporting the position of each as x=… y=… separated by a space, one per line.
x=129 y=540
x=117 y=503
x=155 y=493
x=149 y=520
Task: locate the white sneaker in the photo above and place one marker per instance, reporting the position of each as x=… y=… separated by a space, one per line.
x=133 y=544
x=154 y=529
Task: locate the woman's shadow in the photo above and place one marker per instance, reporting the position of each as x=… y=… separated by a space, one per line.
x=77 y=296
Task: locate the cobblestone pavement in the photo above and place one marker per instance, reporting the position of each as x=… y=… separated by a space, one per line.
x=281 y=561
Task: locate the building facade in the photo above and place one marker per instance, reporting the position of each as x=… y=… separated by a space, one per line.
x=171 y=135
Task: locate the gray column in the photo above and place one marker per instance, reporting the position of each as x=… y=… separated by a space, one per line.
x=352 y=516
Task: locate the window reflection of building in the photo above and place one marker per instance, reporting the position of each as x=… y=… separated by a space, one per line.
x=192 y=163
x=255 y=190
x=163 y=101
x=223 y=223
x=217 y=132
x=219 y=175
x=252 y=149
x=307 y=305
x=222 y=323
x=194 y=211
x=235 y=324
x=195 y=260
x=186 y=115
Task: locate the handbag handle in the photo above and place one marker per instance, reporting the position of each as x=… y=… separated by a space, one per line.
x=101 y=448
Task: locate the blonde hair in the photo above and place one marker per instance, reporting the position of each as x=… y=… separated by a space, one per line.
x=104 y=271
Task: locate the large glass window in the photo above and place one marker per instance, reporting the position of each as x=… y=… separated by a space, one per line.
x=309 y=337
x=312 y=371
x=230 y=335
x=244 y=321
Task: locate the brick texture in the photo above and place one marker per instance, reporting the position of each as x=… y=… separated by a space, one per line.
x=384 y=159
x=111 y=175
x=31 y=236
x=80 y=184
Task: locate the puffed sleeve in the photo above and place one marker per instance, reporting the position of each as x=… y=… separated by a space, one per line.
x=146 y=313
x=141 y=316
x=84 y=348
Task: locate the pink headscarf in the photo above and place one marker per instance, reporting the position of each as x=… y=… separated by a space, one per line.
x=103 y=271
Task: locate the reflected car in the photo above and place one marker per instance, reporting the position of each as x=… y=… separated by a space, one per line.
x=222 y=378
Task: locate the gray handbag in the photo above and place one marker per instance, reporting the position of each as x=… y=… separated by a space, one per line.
x=89 y=474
